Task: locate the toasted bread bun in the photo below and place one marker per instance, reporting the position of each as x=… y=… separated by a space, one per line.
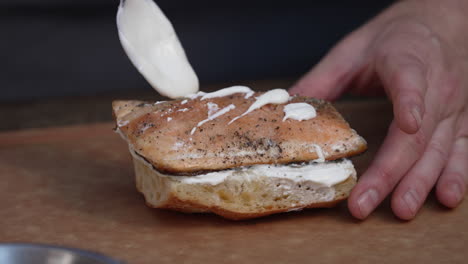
x=164 y=134
x=176 y=148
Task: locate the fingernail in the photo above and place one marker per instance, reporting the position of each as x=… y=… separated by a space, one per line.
x=411 y=199
x=367 y=202
x=457 y=191
x=416 y=112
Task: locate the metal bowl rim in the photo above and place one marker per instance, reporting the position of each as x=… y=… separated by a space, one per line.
x=82 y=252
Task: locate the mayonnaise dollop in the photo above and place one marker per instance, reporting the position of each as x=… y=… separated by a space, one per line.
x=299 y=111
x=151 y=43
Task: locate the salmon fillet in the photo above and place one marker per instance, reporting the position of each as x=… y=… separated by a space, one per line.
x=177 y=137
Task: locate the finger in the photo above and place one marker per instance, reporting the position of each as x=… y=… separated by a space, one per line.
x=396 y=156
x=452 y=184
x=403 y=76
x=329 y=78
x=413 y=189
x=392 y=161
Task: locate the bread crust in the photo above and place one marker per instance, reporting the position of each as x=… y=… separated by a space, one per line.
x=162 y=134
x=176 y=204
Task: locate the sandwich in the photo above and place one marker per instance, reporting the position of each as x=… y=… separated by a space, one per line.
x=238 y=153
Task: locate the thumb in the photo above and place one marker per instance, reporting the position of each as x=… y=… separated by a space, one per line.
x=328 y=79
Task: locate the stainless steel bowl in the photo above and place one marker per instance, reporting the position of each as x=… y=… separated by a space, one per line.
x=45 y=254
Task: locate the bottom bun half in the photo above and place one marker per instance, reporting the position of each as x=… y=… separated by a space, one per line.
x=237 y=198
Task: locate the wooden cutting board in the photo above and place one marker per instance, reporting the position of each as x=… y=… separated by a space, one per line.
x=74 y=187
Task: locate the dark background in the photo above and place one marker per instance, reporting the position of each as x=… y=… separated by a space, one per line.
x=56 y=48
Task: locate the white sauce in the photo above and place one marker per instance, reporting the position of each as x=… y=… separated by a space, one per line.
x=122 y=123
x=169 y=119
x=319 y=151
x=229 y=91
x=184 y=102
x=151 y=43
x=195 y=95
x=276 y=96
x=212 y=108
x=323 y=174
x=183 y=110
x=168 y=111
x=213 y=116
x=299 y=111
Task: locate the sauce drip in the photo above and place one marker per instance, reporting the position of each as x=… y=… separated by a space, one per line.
x=276 y=96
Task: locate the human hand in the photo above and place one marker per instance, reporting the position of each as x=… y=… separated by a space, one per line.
x=416 y=52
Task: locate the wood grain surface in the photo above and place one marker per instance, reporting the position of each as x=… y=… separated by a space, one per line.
x=74 y=186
